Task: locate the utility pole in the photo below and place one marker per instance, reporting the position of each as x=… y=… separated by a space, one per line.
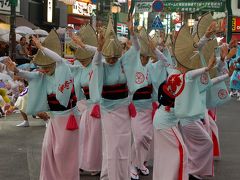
x=229 y=20
x=12 y=35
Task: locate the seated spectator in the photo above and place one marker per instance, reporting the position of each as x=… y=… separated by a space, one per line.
x=22 y=52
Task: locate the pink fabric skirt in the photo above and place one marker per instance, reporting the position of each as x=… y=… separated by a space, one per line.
x=60 y=151
x=170 y=155
x=116 y=133
x=90 y=143
x=142 y=129
x=200 y=148
x=212 y=129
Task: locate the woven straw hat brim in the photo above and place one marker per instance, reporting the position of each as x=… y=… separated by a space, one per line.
x=51 y=42
x=143 y=37
x=112 y=46
x=184 y=49
x=88 y=36
x=207 y=52
x=195 y=38
x=82 y=54
x=203 y=24
x=156 y=38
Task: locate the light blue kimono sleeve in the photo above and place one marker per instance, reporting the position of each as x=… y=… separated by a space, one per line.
x=167 y=54
x=96 y=80
x=76 y=71
x=158 y=74
x=37 y=94
x=188 y=105
x=131 y=64
x=218 y=93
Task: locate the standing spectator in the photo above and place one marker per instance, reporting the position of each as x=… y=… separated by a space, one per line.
x=4 y=49
x=22 y=52
x=32 y=48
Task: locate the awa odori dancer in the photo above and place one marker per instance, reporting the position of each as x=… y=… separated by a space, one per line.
x=90 y=127
x=170 y=151
x=142 y=127
x=51 y=89
x=116 y=107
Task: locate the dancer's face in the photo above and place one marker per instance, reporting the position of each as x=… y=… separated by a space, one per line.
x=85 y=62
x=144 y=59
x=111 y=60
x=48 y=70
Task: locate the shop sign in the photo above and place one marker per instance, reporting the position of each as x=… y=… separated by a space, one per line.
x=183 y=6
x=122 y=29
x=82 y=8
x=141 y=7
x=236 y=24
x=5 y=7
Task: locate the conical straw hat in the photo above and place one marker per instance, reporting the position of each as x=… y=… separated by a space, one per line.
x=112 y=46
x=157 y=38
x=51 y=42
x=184 y=49
x=195 y=38
x=144 y=43
x=203 y=24
x=88 y=36
x=207 y=52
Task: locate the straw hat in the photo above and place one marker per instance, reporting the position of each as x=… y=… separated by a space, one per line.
x=207 y=52
x=51 y=42
x=88 y=36
x=195 y=38
x=112 y=46
x=157 y=38
x=203 y=24
x=144 y=43
x=184 y=49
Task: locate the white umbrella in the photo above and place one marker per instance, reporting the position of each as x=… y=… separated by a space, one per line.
x=4 y=28
x=20 y=31
x=5 y=37
x=4 y=31
x=25 y=30
x=41 y=39
x=61 y=30
x=41 y=32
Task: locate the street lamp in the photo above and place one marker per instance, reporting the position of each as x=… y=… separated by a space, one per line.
x=191 y=22
x=115 y=9
x=12 y=34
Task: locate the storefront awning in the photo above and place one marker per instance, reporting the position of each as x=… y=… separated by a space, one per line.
x=78 y=20
x=20 y=21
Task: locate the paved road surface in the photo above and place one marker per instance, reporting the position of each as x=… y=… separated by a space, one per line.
x=20 y=148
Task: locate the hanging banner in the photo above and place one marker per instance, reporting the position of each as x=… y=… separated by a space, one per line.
x=141 y=7
x=183 y=6
x=5 y=6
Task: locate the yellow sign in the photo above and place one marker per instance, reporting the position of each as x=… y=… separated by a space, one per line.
x=68 y=53
x=233 y=24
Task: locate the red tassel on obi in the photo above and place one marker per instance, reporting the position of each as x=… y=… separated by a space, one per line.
x=96 y=111
x=167 y=108
x=132 y=110
x=155 y=107
x=72 y=123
